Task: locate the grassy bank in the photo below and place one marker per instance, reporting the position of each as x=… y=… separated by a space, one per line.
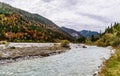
x=112 y=66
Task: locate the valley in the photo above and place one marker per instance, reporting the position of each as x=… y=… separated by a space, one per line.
x=32 y=45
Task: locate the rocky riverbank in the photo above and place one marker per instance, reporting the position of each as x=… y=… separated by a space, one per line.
x=13 y=52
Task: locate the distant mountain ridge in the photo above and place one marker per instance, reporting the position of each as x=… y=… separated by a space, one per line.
x=78 y=34
x=88 y=34
x=19 y=25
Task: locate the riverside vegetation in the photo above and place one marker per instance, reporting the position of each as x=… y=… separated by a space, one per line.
x=112 y=66
x=111 y=37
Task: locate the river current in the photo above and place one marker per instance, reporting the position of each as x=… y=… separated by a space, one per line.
x=76 y=62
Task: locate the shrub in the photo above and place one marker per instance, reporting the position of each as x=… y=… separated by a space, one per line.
x=100 y=43
x=65 y=43
x=118 y=34
x=116 y=42
x=89 y=42
x=3 y=42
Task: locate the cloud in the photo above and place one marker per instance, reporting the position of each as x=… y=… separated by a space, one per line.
x=77 y=14
x=96 y=17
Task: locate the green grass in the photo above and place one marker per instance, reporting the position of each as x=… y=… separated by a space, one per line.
x=112 y=66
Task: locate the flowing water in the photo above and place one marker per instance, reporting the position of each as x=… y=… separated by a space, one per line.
x=76 y=62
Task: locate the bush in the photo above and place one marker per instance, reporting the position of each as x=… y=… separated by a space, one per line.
x=100 y=42
x=89 y=42
x=3 y=42
x=106 y=40
x=116 y=42
x=65 y=43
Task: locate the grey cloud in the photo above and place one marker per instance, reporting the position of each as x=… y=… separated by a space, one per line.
x=47 y=0
x=72 y=2
x=79 y=27
x=96 y=17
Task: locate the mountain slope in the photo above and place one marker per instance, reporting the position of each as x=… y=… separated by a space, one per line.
x=19 y=25
x=72 y=32
x=78 y=34
x=88 y=34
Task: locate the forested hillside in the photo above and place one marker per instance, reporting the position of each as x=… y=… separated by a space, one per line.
x=111 y=36
x=18 y=25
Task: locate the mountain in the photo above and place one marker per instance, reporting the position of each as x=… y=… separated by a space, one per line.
x=78 y=34
x=72 y=32
x=19 y=25
x=88 y=34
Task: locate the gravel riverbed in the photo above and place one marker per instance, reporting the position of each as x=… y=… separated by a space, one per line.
x=77 y=61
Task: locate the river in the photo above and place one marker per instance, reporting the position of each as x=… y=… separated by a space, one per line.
x=76 y=62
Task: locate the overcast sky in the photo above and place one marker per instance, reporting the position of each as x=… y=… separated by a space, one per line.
x=76 y=14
